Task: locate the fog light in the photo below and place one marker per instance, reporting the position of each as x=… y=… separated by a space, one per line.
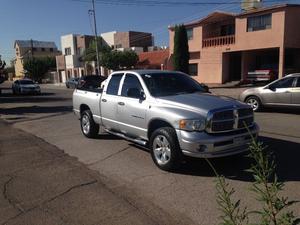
x=202 y=148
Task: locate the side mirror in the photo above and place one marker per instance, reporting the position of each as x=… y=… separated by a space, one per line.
x=272 y=88
x=136 y=93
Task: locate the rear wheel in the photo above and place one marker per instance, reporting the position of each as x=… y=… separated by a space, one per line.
x=165 y=150
x=254 y=102
x=88 y=126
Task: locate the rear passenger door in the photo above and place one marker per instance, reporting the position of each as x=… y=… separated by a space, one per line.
x=109 y=103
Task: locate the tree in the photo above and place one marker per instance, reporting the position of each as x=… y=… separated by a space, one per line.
x=37 y=67
x=89 y=54
x=116 y=60
x=2 y=65
x=181 y=50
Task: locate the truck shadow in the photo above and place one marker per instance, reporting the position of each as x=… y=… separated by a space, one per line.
x=295 y=111
x=286 y=154
x=236 y=167
x=44 y=97
x=35 y=109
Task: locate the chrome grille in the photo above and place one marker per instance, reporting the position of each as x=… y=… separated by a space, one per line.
x=229 y=120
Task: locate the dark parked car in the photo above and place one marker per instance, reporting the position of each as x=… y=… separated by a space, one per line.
x=72 y=82
x=90 y=81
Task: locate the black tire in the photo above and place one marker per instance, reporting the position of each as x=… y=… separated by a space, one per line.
x=67 y=86
x=91 y=129
x=175 y=157
x=254 y=102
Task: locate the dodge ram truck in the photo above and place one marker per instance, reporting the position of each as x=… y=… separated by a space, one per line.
x=168 y=112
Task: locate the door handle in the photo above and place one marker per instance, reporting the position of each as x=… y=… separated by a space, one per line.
x=121 y=103
x=104 y=100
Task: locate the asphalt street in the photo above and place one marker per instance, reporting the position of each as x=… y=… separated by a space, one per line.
x=187 y=196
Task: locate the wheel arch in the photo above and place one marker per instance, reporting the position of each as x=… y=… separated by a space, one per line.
x=83 y=107
x=157 y=123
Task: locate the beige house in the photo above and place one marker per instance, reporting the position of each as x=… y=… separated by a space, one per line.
x=26 y=49
x=225 y=47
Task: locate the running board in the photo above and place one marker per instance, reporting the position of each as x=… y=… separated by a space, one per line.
x=137 y=141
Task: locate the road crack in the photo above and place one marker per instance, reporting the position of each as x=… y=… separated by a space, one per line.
x=23 y=212
x=6 y=195
x=110 y=156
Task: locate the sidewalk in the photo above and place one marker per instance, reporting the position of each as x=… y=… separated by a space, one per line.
x=42 y=185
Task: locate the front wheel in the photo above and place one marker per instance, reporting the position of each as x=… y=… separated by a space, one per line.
x=165 y=150
x=88 y=126
x=254 y=102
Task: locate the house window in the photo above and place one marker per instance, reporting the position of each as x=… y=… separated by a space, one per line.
x=228 y=29
x=262 y=22
x=80 y=51
x=119 y=46
x=67 y=51
x=51 y=49
x=190 y=33
x=193 y=69
x=34 y=49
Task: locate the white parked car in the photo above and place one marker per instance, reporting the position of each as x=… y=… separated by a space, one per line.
x=25 y=86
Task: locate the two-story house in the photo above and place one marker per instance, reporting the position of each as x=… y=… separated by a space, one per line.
x=69 y=63
x=134 y=40
x=225 y=46
x=26 y=49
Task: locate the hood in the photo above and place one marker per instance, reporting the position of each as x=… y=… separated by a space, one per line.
x=199 y=102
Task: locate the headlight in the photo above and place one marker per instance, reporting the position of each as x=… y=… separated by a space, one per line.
x=192 y=125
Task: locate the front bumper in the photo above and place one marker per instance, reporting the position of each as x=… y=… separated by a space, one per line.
x=204 y=145
x=30 y=91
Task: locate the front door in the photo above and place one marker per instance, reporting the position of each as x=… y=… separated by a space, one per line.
x=279 y=92
x=132 y=109
x=296 y=92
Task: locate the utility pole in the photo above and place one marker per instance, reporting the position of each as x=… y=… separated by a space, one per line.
x=31 y=47
x=96 y=40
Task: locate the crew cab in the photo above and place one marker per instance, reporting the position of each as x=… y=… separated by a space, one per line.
x=168 y=112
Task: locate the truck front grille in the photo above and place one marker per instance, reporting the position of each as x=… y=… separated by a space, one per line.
x=229 y=120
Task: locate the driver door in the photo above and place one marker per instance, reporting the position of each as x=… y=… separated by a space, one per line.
x=279 y=93
x=132 y=109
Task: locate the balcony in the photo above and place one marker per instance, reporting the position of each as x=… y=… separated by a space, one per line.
x=218 y=41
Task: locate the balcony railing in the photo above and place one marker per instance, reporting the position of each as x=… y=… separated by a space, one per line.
x=218 y=41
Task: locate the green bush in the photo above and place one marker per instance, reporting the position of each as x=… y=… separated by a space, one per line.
x=267 y=188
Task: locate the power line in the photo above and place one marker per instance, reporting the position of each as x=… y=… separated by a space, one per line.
x=168 y=3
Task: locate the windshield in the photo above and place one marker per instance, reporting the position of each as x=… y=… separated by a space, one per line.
x=26 y=82
x=164 y=84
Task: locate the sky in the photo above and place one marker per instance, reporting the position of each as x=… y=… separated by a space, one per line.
x=47 y=20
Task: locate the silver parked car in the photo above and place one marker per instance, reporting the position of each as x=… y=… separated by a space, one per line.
x=282 y=92
x=25 y=86
x=72 y=82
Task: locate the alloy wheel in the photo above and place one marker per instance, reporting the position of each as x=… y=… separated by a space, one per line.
x=162 y=150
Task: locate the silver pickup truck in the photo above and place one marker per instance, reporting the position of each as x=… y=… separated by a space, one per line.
x=168 y=112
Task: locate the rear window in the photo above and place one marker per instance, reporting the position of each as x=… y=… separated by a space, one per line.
x=113 y=85
x=90 y=82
